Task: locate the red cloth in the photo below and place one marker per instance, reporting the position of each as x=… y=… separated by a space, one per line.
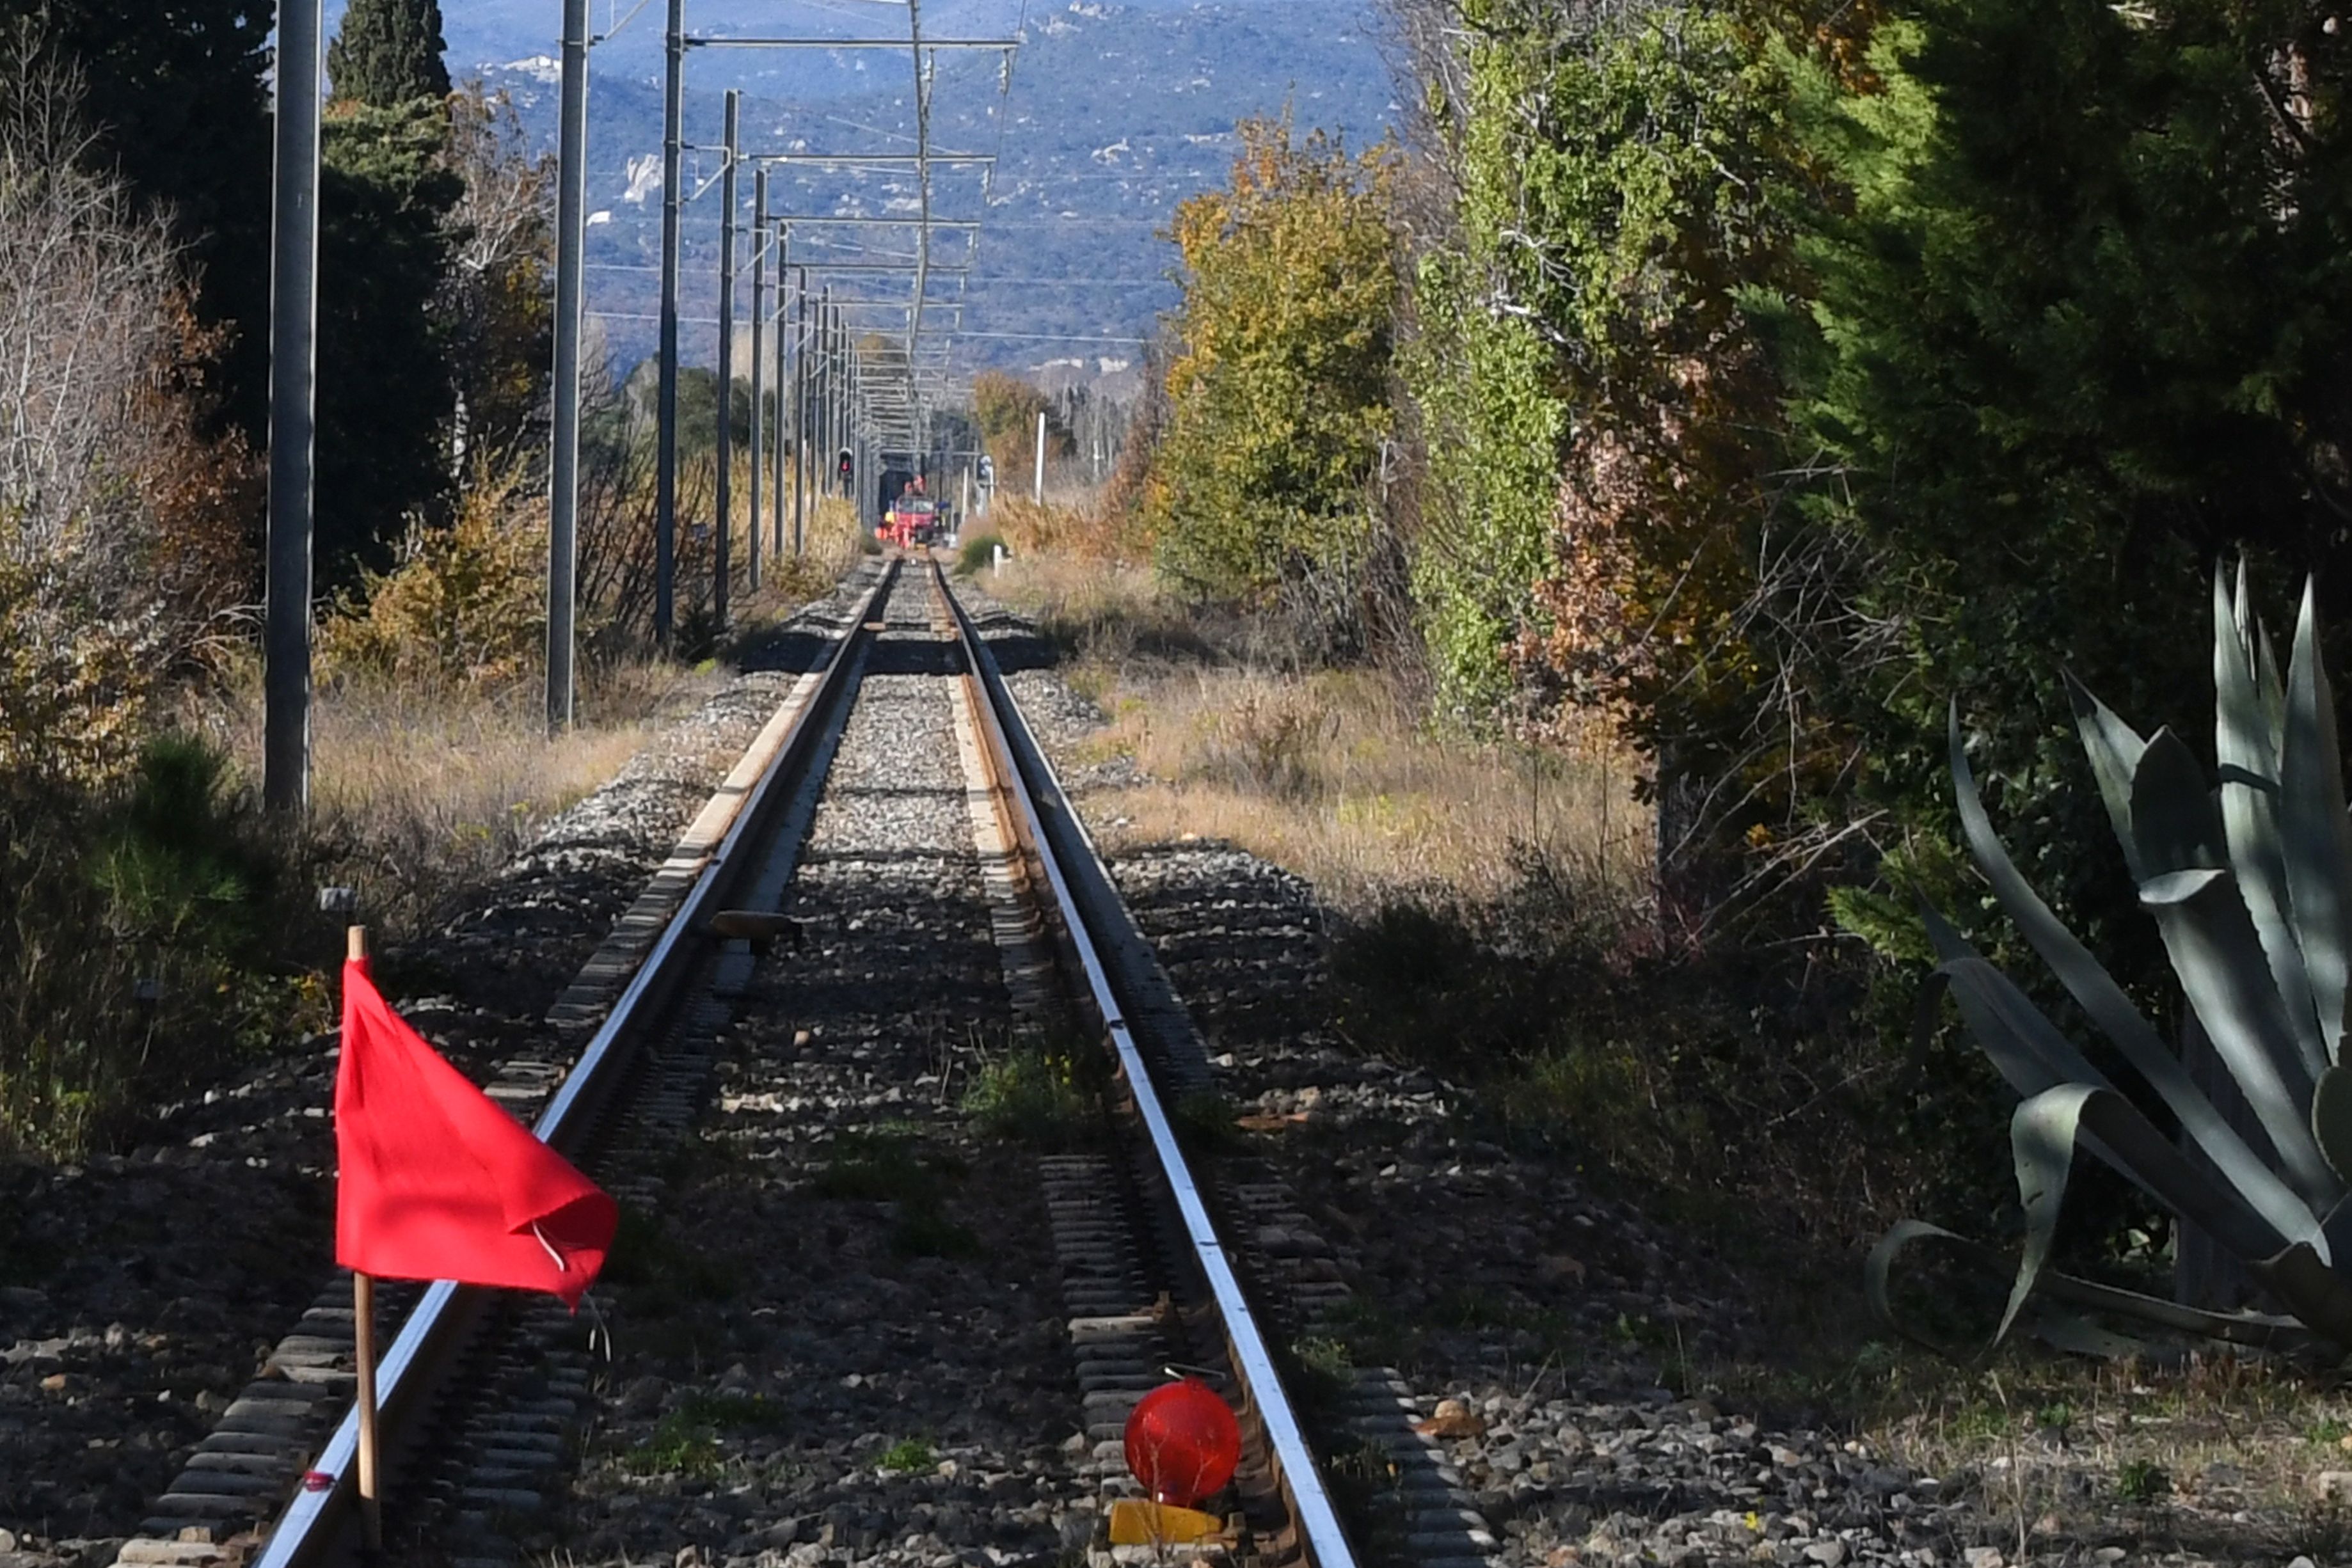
x=436 y=1182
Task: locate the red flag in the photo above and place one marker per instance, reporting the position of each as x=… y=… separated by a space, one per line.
x=436 y=1182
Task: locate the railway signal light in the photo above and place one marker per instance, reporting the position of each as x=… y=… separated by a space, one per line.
x=844 y=463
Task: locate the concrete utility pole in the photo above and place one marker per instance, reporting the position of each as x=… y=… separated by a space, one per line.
x=723 y=546
x=293 y=382
x=563 y=389
x=784 y=258
x=820 y=457
x=666 y=410
x=799 y=400
x=759 y=369
x=830 y=358
x=1037 y=487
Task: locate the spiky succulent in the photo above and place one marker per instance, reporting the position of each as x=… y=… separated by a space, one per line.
x=2250 y=883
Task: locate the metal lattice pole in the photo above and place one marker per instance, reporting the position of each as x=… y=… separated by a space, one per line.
x=783 y=255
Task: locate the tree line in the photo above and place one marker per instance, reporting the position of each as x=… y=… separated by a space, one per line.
x=1763 y=376
x=135 y=164
x=1759 y=384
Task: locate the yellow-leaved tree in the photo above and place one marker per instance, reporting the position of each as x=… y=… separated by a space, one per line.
x=1262 y=487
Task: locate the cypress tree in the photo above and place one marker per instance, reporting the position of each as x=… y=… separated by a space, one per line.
x=386 y=385
x=388 y=53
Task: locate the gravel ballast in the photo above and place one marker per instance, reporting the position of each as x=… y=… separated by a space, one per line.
x=140 y=1291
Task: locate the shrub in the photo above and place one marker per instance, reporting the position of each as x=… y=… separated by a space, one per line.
x=138 y=924
x=976 y=552
x=1043 y=1095
x=465 y=607
x=121 y=525
x=1278 y=395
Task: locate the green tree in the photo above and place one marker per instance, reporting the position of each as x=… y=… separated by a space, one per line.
x=388 y=52
x=386 y=389
x=2083 y=326
x=1593 y=416
x=1277 y=394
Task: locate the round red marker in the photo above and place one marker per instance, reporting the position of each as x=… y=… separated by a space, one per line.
x=1183 y=1442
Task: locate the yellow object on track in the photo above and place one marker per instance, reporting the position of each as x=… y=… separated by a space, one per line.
x=1135 y=1522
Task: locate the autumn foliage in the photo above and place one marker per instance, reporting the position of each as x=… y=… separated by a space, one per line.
x=1262 y=484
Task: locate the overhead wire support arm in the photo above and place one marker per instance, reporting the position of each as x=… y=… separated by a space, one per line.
x=831 y=222
x=888 y=160
x=1004 y=45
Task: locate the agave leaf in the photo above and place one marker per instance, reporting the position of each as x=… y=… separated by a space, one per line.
x=2312 y=822
x=1878 y=1274
x=2064 y=1330
x=2240 y=1328
x=2214 y=952
x=2316 y=1294
x=2268 y=688
x=2337 y=1228
x=2113 y=1012
x=2043 y=1136
x=2028 y=1050
x=2114 y=749
x=2331 y=1119
x=2172 y=817
x=2247 y=746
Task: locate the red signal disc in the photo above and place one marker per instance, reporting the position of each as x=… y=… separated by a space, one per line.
x=1183 y=1442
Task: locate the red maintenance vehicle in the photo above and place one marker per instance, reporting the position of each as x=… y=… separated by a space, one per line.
x=911 y=519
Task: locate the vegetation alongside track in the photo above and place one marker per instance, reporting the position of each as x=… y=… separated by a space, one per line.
x=1733 y=388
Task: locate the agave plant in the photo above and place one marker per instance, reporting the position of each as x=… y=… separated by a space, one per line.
x=2251 y=886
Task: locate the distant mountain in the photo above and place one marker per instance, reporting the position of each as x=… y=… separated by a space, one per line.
x=1115 y=112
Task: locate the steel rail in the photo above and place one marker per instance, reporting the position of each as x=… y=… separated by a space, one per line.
x=1028 y=780
x=313 y=1527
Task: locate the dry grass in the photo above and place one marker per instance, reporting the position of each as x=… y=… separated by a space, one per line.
x=1083 y=533
x=421 y=791
x=830 y=539
x=2218 y=1456
x=416 y=790
x=1333 y=774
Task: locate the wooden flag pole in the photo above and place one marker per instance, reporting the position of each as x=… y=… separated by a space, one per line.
x=364 y=1348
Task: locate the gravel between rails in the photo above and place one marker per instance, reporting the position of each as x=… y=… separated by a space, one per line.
x=139 y=1291
x=848 y=1347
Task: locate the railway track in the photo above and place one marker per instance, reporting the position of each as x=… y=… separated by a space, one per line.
x=1163 y=1259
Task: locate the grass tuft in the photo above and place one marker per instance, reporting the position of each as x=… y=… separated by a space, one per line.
x=906 y=1456
x=976 y=552
x=1045 y=1094
x=681 y=1446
